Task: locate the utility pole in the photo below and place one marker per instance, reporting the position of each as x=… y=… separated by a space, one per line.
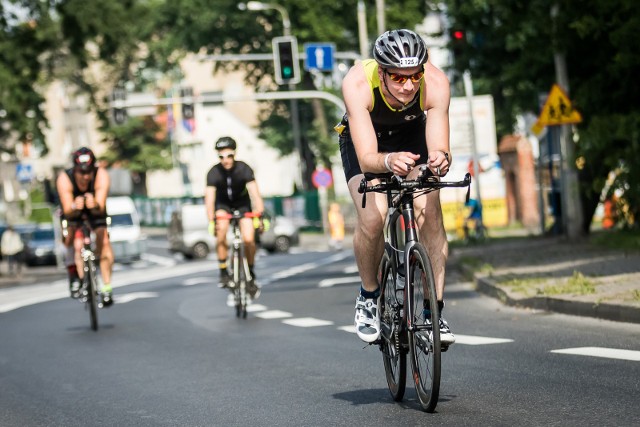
x=380 y=16
x=362 y=30
x=571 y=206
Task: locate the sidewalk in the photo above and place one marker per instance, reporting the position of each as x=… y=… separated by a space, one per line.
x=553 y=274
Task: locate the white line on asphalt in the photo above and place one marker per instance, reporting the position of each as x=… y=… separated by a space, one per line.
x=350 y=328
x=351 y=269
x=14 y=298
x=307 y=322
x=326 y=283
x=273 y=314
x=473 y=340
x=197 y=281
x=254 y=308
x=125 y=298
x=157 y=259
x=610 y=353
x=309 y=266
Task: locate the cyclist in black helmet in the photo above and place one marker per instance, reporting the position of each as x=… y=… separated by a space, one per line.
x=83 y=190
x=231 y=185
x=397 y=118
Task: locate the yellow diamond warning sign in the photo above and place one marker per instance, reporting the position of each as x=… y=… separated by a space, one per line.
x=557 y=110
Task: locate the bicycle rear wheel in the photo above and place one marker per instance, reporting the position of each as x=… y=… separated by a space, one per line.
x=424 y=340
x=393 y=354
x=92 y=297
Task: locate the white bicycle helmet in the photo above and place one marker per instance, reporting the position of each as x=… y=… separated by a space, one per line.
x=400 y=49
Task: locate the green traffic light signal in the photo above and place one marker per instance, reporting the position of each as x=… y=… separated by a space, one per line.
x=285 y=55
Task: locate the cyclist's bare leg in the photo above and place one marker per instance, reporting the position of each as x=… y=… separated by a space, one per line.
x=78 y=244
x=248 y=237
x=104 y=253
x=368 y=240
x=222 y=226
x=433 y=235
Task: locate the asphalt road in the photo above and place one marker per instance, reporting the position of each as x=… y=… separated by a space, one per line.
x=171 y=352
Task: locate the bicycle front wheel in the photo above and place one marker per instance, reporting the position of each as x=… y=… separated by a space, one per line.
x=92 y=297
x=239 y=278
x=424 y=340
x=393 y=354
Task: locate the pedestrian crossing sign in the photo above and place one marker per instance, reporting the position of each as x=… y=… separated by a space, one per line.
x=557 y=110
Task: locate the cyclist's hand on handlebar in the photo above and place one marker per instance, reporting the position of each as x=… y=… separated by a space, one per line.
x=402 y=162
x=90 y=201
x=78 y=203
x=439 y=162
x=212 y=228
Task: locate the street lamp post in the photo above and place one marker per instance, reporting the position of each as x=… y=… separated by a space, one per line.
x=295 y=115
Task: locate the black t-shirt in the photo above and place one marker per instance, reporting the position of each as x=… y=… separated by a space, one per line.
x=231 y=185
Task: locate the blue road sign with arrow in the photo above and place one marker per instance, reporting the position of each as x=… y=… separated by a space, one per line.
x=320 y=56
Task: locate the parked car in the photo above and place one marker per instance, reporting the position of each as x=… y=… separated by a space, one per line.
x=39 y=246
x=188 y=233
x=281 y=235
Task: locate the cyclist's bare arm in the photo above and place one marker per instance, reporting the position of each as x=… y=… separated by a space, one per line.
x=65 y=192
x=256 y=198
x=437 y=99
x=97 y=203
x=209 y=202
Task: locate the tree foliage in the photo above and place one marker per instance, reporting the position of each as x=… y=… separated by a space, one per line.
x=510 y=52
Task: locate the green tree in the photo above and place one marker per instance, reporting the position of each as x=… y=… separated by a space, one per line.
x=138 y=147
x=510 y=52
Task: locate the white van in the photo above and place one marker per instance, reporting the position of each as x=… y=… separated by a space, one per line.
x=188 y=233
x=125 y=235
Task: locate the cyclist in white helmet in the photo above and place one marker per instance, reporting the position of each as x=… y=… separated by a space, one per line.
x=231 y=185
x=397 y=118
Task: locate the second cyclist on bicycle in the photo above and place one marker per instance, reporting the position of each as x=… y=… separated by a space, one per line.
x=397 y=117
x=231 y=185
x=83 y=193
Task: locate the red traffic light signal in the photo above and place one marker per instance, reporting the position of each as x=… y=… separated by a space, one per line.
x=458 y=35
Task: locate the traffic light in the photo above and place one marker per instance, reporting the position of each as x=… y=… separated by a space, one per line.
x=458 y=44
x=188 y=111
x=118 y=109
x=285 y=56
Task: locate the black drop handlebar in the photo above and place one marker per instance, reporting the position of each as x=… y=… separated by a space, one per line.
x=424 y=182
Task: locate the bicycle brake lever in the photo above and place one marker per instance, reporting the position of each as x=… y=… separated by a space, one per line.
x=363 y=189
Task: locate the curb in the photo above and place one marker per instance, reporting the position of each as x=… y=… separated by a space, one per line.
x=614 y=312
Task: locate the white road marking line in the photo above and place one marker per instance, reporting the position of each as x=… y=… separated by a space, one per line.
x=351 y=329
x=156 y=259
x=473 y=340
x=273 y=314
x=326 y=283
x=125 y=298
x=14 y=298
x=307 y=322
x=309 y=266
x=609 y=353
x=351 y=269
x=253 y=308
x=197 y=281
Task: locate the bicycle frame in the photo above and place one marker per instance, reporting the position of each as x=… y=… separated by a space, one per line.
x=238 y=260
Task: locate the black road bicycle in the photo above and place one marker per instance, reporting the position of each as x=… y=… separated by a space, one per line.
x=89 y=290
x=240 y=273
x=406 y=283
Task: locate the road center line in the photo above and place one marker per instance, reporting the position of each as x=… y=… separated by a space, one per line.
x=609 y=353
